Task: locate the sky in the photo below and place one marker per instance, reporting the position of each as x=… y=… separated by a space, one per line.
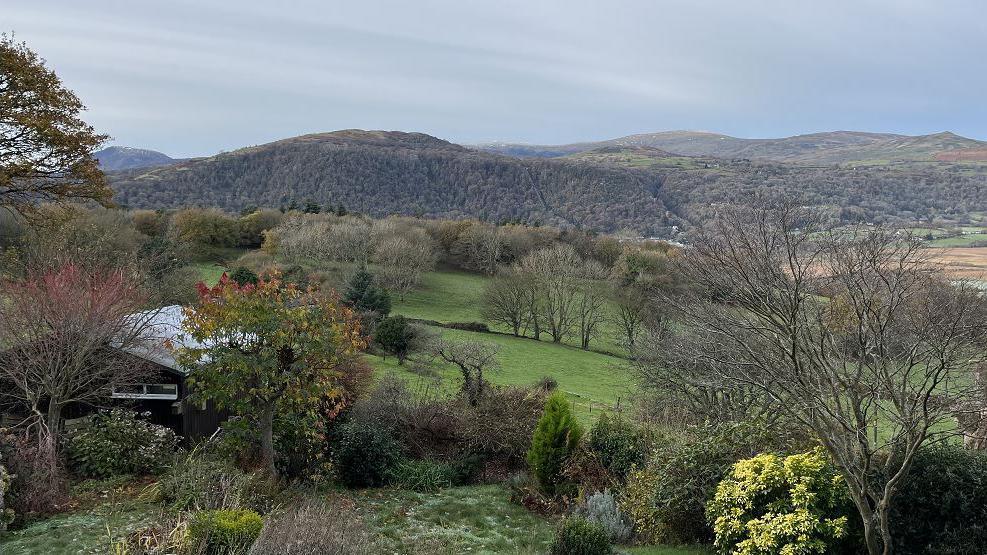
x=194 y=78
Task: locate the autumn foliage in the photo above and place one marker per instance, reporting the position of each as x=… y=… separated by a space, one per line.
x=270 y=348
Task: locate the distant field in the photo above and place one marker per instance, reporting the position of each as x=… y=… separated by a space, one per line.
x=593 y=380
x=960 y=240
x=962 y=263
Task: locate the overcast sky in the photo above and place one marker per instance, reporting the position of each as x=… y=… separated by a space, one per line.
x=196 y=77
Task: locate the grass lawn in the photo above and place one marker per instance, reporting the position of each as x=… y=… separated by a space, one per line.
x=87 y=531
x=444 y=297
x=209 y=272
x=471 y=519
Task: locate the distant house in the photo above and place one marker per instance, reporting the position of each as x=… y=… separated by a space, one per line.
x=167 y=396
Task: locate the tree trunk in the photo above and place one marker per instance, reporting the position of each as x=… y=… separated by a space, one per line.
x=49 y=436
x=267 y=438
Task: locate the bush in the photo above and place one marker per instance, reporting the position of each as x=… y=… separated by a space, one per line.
x=666 y=500
x=35 y=487
x=554 y=440
x=423 y=475
x=365 y=454
x=617 y=443
x=224 y=530
x=578 y=536
x=773 y=504
x=117 y=442
x=6 y=513
x=394 y=336
x=942 y=505
x=601 y=508
x=479 y=327
x=243 y=276
x=314 y=528
x=364 y=295
x=501 y=425
x=201 y=483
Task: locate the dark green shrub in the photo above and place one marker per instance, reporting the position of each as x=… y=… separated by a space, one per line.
x=119 y=442
x=243 y=276
x=365 y=454
x=224 y=530
x=578 y=536
x=394 y=336
x=423 y=475
x=942 y=505
x=555 y=438
x=479 y=327
x=617 y=443
x=364 y=295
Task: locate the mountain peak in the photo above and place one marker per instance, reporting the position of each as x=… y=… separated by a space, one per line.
x=115 y=158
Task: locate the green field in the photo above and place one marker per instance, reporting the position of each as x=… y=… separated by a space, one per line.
x=448 y=297
x=209 y=272
x=960 y=240
x=593 y=380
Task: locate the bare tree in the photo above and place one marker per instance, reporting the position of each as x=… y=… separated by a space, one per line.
x=554 y=272
x=591 y=301
x=849 y=335
x=473 y=359
x=481 y=247
x=56 y=333
x=507 y=300
x=633 y=310
x=402 y=258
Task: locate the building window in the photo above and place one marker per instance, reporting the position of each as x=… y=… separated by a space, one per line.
x=163 y=391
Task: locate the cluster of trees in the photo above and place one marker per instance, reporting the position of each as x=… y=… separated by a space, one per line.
x=557 y=292
x=400 y=249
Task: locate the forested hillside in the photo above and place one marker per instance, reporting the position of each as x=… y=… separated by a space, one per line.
x=381 y=173
x=639 y=188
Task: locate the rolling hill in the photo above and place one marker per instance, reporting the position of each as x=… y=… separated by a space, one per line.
x=387 y=172
x=116 y=158
x=830 y=148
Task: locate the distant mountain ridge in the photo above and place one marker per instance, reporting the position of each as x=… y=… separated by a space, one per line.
x=116 y=158
x=639 y=188
x=827 y=148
